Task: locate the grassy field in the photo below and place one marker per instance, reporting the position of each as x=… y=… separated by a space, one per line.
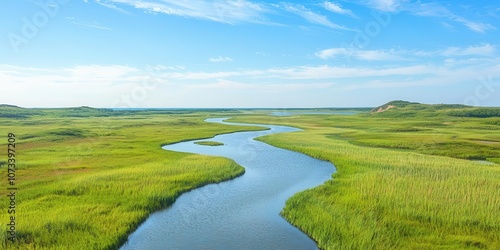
x=400 y=183
x=407 y=178
x=87 y=178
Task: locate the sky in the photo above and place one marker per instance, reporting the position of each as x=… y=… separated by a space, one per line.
x=248 y=54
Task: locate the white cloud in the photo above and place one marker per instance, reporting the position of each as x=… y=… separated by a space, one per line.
x=470 y=62
x=110 y=6
x=311 y=16
x=220 y=59
x=329 y=72
x=447 y=25
x=94 y=85
x=233 y=11
x=430 y=9
x=203 y=75
x=223 y=84
x=337 y=8
x=485 y=50
x=100 y=73
x=435 y=9
x=94 y=25
x=482 y=50
x=366 y=55
x=88 y=75
x=386 y=5
x=476 y=26
x=163 y=67
x=385 y=84
x=273 y=87
x=102 y=85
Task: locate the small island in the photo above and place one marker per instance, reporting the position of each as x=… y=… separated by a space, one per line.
x=209 y=143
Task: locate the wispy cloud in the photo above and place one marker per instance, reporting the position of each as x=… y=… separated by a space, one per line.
x=163 y=67
x=311 y=16
x=220 y=11
x=430 y=9
x=111 y=6
x=386 y=5
x=337 y=8
x=232 y=11
x=73 y=86
x=107 y=74
x=100 y=85
x=475 y=26
x=484 y=50
x=209 y=75
x=220 y=59
x=273 y=87
x=481 y=50
x=331 y=72
x=366 y=55
x=304 y=73
x=447 y=25
x=437 y=10
x=100 y=73
x=93 y=25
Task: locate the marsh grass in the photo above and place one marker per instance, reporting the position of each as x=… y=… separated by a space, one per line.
x=87 y=178
x=87 y=183
x=396 y=188
x=209 y=143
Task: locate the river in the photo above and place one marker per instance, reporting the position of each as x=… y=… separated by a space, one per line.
x=242 y=213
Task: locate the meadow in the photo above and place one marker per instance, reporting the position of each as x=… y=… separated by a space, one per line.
x=412 y=183
x=412 y=177
x=87 y=178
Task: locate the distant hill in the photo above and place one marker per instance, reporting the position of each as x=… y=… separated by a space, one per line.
x=12 y=111
x=15 y=112
x=408 y=109
x=392 y=104
x=9 y=106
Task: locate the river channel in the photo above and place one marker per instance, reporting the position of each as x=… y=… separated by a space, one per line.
x=242 y=213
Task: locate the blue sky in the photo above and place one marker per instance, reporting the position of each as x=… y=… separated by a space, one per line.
x=239 y=53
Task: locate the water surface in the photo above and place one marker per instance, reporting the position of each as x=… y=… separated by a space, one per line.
x=242 y=213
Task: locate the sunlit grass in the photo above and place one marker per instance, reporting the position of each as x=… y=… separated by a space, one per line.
x=387 y=196
x=87 y=183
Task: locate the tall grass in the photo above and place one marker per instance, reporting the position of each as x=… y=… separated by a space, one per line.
x=87 y=183
x=384 y=198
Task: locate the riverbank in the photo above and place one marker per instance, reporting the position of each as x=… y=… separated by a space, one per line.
x=391 y=193
x=90 y=177
x=87 y=183
x=243 y=213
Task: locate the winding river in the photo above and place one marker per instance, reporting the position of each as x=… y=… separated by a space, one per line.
x=242 y=213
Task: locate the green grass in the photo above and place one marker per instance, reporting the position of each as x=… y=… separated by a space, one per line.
x=400 y=183
x=87 y=183
x=87 y=178
x=209 y=143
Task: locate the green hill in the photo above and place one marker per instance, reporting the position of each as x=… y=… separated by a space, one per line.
x=11 y=111
x=392 y=104
x=395 y=109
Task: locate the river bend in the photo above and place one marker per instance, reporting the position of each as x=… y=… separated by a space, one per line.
x=243 y=213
